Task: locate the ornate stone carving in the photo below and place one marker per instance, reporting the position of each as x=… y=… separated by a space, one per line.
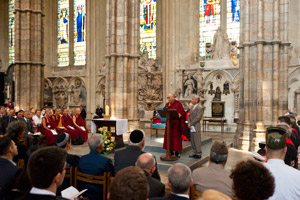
x=211 y=91
x=146 y=64
x=226 y=88
x=217 y=94
x=190 y=85
x=60 y=91
x=48 y=95
x=221 y=45
x=77 y=92
x=150 y=87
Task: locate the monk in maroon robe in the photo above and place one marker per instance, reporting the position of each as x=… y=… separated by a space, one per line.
x=177 y=126
x=58 y=121
x=68 y=124
x=80 y=125
x=48 y=124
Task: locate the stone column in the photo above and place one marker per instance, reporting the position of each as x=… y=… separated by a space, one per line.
x=29 y=53
x=177 y=39
x=122 y=54
x=263 y=68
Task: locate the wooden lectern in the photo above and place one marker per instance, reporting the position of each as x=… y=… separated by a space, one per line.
x=168 y=114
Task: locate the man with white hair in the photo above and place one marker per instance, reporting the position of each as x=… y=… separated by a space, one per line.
x=180 y=181
x=95 y=164
x=128 y=156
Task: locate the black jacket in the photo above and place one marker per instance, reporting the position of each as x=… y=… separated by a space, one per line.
x=83 y=113
x=127 y=157
x=157 y=188
x=8 y=174
x=171 y=197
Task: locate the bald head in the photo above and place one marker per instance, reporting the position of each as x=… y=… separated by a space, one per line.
x=171 y=97
x=146 y=162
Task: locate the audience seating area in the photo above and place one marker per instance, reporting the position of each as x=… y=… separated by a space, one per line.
x=75 y=176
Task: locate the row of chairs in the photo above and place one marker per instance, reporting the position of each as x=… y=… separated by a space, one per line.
x=75 y=176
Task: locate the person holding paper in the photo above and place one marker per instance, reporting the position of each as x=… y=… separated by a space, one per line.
x=48 y=127
x=69 y=125
x=58 y=121
x=195 y=127
x=177 y=126
x=80 y=125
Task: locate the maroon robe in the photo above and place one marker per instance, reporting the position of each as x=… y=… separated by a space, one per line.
x=177 y=127
x=81 y=122
x=50 y=123
x=58 y=123
x=67 y=121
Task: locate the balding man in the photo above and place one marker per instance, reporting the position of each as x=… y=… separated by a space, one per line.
x=146 y=162
x=80 y=125
x=177 y=126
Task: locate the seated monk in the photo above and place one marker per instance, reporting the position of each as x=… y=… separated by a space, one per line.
x=58 y=121
x=80 y=125
x=48 y=127
x=68 y=124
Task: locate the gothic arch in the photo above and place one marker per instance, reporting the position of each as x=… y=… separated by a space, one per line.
x=212 y=75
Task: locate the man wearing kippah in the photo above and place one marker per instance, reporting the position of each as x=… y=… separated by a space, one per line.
x=128 y=156
x=287 y=179
x=214 y=176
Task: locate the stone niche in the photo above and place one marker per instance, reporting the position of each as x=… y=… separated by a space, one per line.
x=64 y=92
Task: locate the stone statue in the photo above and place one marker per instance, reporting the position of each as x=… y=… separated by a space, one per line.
x=61 y=99
x=226 y=88
x=221 y=45
x=218 y=94
x=190 y=86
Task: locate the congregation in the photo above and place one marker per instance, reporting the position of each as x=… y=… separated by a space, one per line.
x=133 y=173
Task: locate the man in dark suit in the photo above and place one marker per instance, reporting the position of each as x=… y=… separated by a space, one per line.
x=95 y=164
x=99 y=111
x=82 y=112
x=8 y=169
x=146 y=162
x=46 y=171
x=29 y=130
x=128 y=156
x=180 y=181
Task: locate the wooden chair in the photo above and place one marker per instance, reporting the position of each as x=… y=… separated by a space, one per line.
x=24 y=141
x=108 y=181
x=194 y=194
x=70 y=175
x=87 y=178
x=21 y=163
x=167 y=191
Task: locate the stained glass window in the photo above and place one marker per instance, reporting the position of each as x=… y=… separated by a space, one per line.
x=79 y=32
x=209 y=22
x=11 y=34
x=148 y=27
x=63 y=33
x=233 y=20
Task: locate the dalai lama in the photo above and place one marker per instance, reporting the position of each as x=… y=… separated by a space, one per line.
x=177 y=126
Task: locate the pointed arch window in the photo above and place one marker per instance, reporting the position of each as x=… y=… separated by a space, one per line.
x=71 y=41
x=11 y=34
x=210 y=20
x=148 y=27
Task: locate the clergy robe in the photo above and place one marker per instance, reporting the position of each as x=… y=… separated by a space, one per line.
x=50 y=123
x=67 y=121
x=58 y=123
x=81 y=122
x=177 y=127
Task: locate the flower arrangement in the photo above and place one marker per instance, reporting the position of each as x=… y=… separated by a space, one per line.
x=108 y=141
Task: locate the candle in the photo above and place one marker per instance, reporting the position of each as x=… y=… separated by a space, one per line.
x=106 y=110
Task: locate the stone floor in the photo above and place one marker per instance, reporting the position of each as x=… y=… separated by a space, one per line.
x=209 y=137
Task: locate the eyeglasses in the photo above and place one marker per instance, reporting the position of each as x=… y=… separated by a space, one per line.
x=168 y=97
